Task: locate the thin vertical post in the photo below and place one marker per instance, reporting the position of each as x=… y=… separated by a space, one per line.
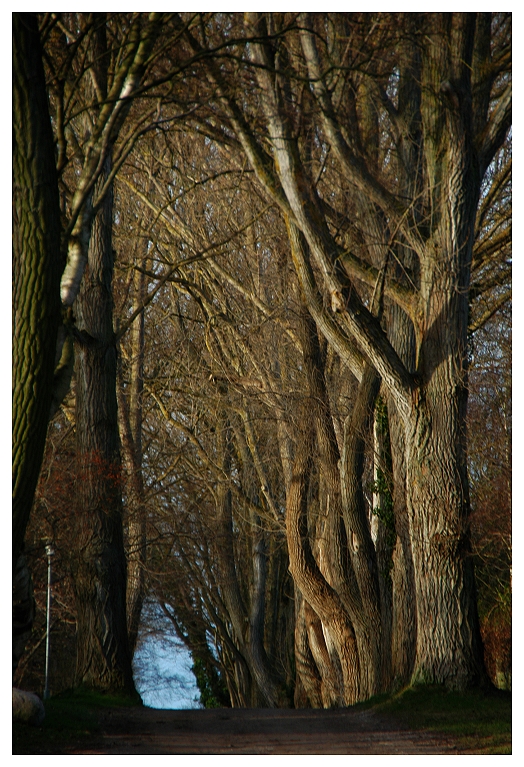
x=49 y=552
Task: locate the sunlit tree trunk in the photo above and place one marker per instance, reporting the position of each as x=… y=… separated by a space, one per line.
x=322 y=598
x=308 y=684
x=404 y=625
x=448 y=637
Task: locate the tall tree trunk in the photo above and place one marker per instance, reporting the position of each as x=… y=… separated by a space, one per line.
x=368 y=621
x=404 y=626
x=103 y=656
x=449 y=648
x=357 y=583
x=225 y=554
x=135 y=532
x=271 y=688
x=36 y=268
x=330 y=543
x=448 y=636
x=130 y=423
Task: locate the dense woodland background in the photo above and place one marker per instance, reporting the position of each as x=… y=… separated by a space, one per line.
x=284 y=243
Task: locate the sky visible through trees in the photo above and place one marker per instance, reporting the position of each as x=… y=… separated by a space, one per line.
x=162 y=668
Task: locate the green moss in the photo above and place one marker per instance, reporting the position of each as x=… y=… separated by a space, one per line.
x=385 y=511
x=213 y=692
x=382 y=485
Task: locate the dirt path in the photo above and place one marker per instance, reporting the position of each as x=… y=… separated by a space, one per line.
x=259 y=731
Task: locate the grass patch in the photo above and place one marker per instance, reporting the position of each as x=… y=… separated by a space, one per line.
x=481 y=721
x=69 y=717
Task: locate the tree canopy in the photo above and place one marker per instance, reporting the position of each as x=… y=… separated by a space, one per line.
x=299 y=319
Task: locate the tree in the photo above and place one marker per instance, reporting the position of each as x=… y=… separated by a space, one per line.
x=109 y=77
x=489 y=429
x=237 y=615
x=238 y=594
x=99 y=573
x=410 y=122
x=319 y=220
x=36 y=268
x=130 y=415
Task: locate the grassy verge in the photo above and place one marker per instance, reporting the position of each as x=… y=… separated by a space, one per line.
x=481 y=721
x=69 y=717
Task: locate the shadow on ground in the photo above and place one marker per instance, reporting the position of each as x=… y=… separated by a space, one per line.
x=258 y=731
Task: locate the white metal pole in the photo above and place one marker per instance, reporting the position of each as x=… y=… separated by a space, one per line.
x=49 y=552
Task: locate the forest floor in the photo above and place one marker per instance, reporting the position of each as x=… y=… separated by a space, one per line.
x=389 y=727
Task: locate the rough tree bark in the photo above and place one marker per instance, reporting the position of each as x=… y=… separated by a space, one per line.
x=36 y=268
x=99 y=565
x=317 y=592
x=431 y=402
x=448 y=637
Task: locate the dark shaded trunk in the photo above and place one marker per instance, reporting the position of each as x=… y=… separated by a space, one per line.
x=135 y=528
x=239 y=679
x=36 y=268
x=260 y=683
x=99 y=569
x=130 y=423
x=271 y=687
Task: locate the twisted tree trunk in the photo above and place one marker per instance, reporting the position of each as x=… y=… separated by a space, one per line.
x=324 y=600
